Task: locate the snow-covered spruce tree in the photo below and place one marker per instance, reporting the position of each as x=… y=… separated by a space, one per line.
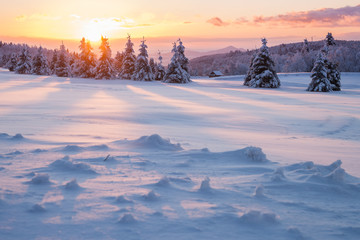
x=118 y=62
x=183 y=60
x=305 y=49
x=175 y=73
x=263 y=74
x=152 y=65
x=86 y=61
x=128 y=66
x=250 y=70
x=24 y=64
x=11 y=64
x=104 y=69
x=329 y=40
x=142 y=68
x=333 y=75
x=53 y=62
x=62 y=68
x=160 y=70
x=40 y=63
x=319 y=81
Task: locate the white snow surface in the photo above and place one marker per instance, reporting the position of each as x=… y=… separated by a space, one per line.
x=212 y=159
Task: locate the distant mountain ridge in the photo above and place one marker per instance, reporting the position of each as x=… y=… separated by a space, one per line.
x=291 y=57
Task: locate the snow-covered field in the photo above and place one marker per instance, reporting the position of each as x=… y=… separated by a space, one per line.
x=88 y=159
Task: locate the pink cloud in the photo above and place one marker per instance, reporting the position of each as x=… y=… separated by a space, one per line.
x=217 y=22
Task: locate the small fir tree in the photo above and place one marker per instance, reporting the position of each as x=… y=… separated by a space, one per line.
x=160 y=70
x=40 y=63
x=333 y=75
x=24 y=64
x=142 y=68
x=152 y=65
x=183 y=60
x=128 y=66
x=53 y=62
x=86 y=61
x=175 y=73
x=306 y=48
x=319 y=81
x=262 y=73
x=104 y=69
x=11 y=64
x=62 y=67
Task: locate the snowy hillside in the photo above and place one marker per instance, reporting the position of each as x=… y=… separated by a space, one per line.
x=212 y=159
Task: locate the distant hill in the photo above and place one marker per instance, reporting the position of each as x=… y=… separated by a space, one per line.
x=191 y=54
x=290 y=57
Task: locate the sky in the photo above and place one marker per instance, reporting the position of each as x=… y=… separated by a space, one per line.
x=203 y=24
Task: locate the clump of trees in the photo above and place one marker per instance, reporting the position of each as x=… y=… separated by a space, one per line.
x=125 y=65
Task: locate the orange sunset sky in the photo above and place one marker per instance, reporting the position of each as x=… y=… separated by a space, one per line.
x=202 y=24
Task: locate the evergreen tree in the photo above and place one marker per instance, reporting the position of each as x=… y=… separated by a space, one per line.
x=142 y=68
x=104 y=69
x=263 y=74
x=305 y=48
x=53 y=62
x=160 y=70
x=329 y=40
x=152 y=65
x=40 y=63
x=24 y=64
x=86 y=60
x=128 y=66
x=319 y=81
x=11 y=64
x=175 y=73
x=119 y=58
x=184 y=61
x=250 y=70
x=333 y=75
x=62 y=68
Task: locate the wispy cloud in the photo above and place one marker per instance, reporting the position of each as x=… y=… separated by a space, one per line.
x=327 y=17
x=216 y=21
x=37 y=17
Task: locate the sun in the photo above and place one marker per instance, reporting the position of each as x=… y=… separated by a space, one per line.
x=93 y=31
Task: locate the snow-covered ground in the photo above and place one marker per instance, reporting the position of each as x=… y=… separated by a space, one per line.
x=90 y=159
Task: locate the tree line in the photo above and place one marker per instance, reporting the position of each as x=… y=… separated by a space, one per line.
x=22 y=59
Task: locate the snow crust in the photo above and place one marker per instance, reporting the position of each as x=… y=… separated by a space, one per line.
x=209 y=160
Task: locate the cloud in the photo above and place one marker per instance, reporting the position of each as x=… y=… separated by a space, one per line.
x=37 y=17
x=217 y=22
x=326 y=17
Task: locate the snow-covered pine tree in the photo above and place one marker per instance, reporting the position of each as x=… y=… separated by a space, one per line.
x=329 y=40
x=152 y=65
x=142 y=68
x=86 y=61
x=263 y=74
x=118 y=62
x=104 y=69
x=62 y=68
x=175 y=73
x=333 y=75
x=305 y=48
x=160 y=70
x=128 y=66
x=40 y=63
x=250 y=70
x=319 y=81
x=11 y=64
x=24 y=64
x=183 y=60
x=53 y=62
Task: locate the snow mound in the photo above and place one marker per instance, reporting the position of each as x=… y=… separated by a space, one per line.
x=278 y=175
x=338 y=175
x=332 y=173
x=156 y=142
x=205 y=186
x=40 y=178
x=123 y=199
x=37 y=208
x=14 y=153
x=259 y=191
x=67 y=165
x=17 y=137
x=127 y=219
x=259 y=218
x=102 y=147
x=72 y=149
x=72 y=185
x=163 y=182
x=248 y=154
x=151 y=196
x=38 y=150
